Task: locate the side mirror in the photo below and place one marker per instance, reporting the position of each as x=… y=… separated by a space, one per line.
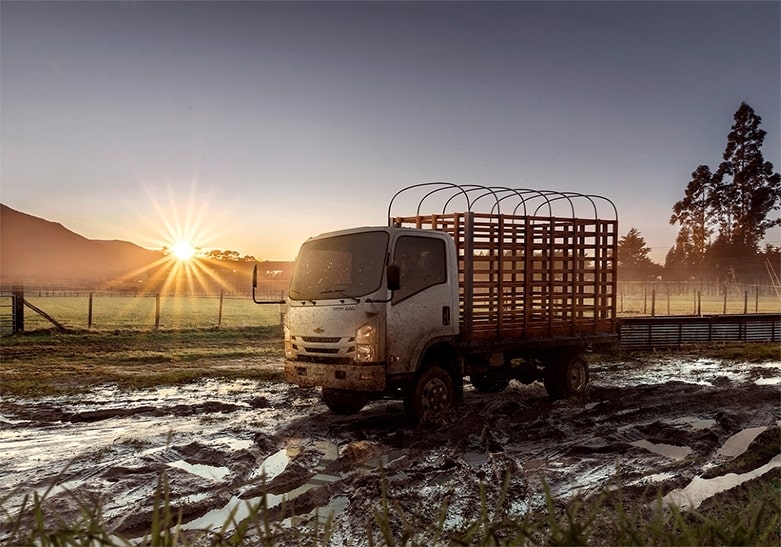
x=393 y=276
x=255 y=286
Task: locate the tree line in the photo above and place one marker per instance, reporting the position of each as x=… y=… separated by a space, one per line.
x=723 y=217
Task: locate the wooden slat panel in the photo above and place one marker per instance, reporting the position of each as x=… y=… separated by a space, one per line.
x=531 y=276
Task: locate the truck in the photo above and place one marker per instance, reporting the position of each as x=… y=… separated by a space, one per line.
x=489 y=284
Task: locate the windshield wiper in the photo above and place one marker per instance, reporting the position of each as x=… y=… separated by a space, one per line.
x=342 y=294
x=296 y=295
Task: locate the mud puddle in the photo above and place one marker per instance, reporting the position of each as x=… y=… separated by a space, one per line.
x=228 y=447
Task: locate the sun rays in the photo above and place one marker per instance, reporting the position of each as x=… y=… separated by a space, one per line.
x=182 y=231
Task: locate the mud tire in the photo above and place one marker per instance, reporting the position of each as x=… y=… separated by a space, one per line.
x=489 y=384
x=344 y=402
x=432 y=396
x=567 y=377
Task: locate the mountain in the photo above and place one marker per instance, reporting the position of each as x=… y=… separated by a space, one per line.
x=36 y=250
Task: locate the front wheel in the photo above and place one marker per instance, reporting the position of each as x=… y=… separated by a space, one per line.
x=344 y=402
x=566 y=377
x=432 y=396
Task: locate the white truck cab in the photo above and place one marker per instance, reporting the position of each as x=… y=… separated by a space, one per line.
x=364 y=304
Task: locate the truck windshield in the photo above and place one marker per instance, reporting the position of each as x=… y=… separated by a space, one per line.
x=341 y=266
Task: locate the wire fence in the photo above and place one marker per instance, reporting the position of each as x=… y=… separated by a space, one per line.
x=110 y=311
x=655 y=297
x=105 y=310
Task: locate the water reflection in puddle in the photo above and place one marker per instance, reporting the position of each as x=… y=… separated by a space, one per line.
x=667 y=450
x=274 y=464
x=699 y=489
x=769 y=381
x=701 y=371
x=739 y=442
x=202 y=470
x=238 y=509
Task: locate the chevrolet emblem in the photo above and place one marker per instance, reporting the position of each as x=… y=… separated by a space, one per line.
x=319 y=330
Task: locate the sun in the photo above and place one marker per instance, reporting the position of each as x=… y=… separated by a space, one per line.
x=182 y=267
x=183 y=250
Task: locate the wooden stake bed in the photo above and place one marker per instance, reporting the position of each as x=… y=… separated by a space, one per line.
x=525 y=277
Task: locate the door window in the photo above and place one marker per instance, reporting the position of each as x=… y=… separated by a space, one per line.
x=421 y=262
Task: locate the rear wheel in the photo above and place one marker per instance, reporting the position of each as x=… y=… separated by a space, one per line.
x=432 y=396
x=344 y=402
x=565 y=376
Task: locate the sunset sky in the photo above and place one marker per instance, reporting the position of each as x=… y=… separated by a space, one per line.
x=256 y=125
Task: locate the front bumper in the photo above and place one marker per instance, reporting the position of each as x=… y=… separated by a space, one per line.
x=366 y=377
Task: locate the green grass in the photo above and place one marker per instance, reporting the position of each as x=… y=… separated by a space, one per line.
x=44 y=363
x=750 y=517
x=182 y=312
x=634 y=304
x=140 y=312
x=751 y=352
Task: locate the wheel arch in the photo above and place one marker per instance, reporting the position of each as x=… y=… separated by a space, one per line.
x=443 y=353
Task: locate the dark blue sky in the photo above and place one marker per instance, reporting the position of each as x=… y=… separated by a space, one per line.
x=259 y=124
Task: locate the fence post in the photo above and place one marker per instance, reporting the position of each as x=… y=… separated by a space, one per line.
x=725 y=300
x=219 y=317
x=653 y=303
x=89 y=312
x=18 y=292
x=756 y=300
x=745 y=302
x=699 y=303
x=157 y=311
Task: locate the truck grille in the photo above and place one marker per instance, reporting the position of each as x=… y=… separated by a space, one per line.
x=324 y=348
x=325 y=359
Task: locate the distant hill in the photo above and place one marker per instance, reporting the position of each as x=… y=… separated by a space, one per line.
x=41 y=253
x=34 y=250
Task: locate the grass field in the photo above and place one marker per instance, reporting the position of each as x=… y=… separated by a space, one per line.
x=129 y=312
x=111 y=312
x=690 y=304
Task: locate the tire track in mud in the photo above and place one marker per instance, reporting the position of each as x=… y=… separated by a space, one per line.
x=498 y=446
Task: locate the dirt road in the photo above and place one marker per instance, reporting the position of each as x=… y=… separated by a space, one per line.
x=653 y=423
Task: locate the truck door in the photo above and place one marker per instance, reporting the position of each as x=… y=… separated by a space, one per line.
x=421 y=308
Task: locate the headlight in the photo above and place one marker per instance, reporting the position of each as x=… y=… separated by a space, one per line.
x=289 y=353
x=366 y=343
x=367 y=334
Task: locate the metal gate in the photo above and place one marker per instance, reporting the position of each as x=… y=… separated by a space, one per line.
x=7 y=314
x=666 y=332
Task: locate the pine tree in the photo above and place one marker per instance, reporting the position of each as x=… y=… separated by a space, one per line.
x=744 y=188
x=633 y=260
x=692 y=214
x=681 y=261
x=632 y=249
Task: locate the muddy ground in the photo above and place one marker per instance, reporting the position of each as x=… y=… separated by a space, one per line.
x=647 y=423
